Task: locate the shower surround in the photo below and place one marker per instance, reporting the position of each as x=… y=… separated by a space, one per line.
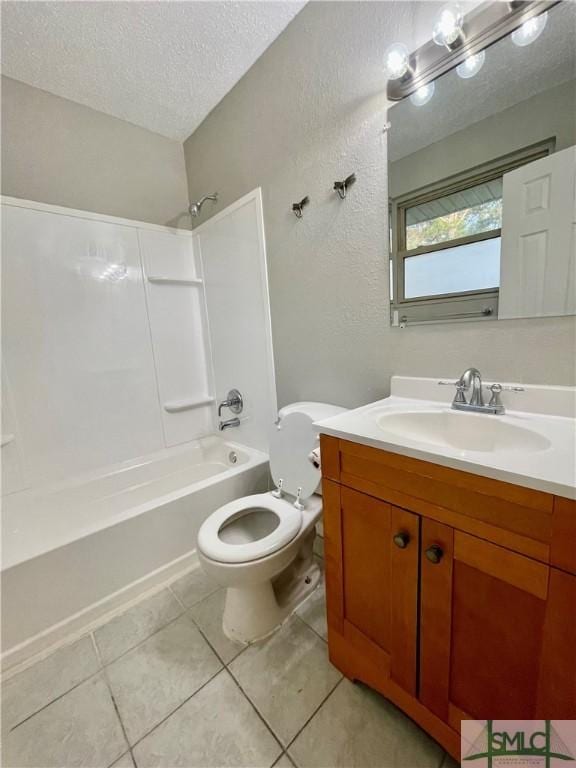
x=117 y=344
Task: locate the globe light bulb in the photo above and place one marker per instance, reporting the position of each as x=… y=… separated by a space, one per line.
x=396 y=61
x=471 y=65
x=423 y=95
x=530 y=30
x=448 y=29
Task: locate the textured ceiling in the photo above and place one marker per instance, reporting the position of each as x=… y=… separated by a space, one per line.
x=160 y=65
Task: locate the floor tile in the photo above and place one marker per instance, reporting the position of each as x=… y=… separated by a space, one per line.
x=286 y=676
x=124 y=762
x=79 y=729
x=37 y=686
x=154 y=678
x=283 y=762
x=358 y=728
x=216 y=727
x=193 y=587
x=313 y=611
x=208 y=616
x=136 y=624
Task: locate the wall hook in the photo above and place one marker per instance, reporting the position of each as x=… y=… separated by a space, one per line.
x=297 y=207
x=342 y=186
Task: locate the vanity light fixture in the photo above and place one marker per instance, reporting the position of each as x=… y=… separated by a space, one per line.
x=530 y=30
x=471 y=65
x=397 y=61
x=457 y=38
x=448 y=30
x=423 y=94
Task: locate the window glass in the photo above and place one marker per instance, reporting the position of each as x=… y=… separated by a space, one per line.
x=461 y=214
x=471 y=267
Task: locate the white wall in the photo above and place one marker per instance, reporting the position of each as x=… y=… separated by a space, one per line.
x=60 y=152
x=87 y=364
x=310 y=111
x=233 y=252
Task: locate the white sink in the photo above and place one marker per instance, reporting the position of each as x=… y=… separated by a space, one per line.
x=462 y=431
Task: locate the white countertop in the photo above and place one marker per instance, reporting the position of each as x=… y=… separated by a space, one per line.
x=552 y=470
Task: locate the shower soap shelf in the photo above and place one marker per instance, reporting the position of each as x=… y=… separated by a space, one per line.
x=176 y=406
x=158 y=279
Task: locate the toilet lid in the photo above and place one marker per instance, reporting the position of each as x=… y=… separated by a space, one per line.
x=213 y=546
x=290 y=445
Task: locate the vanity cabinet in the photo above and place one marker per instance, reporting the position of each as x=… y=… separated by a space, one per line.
x=452 y=594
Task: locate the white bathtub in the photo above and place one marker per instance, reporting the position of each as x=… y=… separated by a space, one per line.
x=76 y=549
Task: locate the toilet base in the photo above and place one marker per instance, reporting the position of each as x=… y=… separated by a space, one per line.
x=253 y=611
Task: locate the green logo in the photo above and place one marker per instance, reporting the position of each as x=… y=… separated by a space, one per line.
x=545 y=744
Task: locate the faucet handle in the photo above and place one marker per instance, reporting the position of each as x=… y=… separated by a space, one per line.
x=459 y=397
x=495 y=401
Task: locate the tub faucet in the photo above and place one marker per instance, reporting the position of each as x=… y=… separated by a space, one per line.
x=235 y=422
x=234 y=402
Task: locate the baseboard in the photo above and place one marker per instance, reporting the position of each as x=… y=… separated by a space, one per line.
x=35 y=648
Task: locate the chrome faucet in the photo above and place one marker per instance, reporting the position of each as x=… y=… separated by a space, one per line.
x=235 y=403
x=235 y=422
x=471 y=378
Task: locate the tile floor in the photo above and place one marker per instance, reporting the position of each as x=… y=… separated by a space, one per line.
x=160 y=685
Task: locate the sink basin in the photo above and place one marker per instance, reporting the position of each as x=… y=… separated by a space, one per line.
x=462 y=431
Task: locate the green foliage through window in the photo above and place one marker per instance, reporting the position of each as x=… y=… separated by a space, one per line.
x=474 y=220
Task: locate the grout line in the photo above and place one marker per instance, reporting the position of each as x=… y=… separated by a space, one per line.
x=141 y=642
x=258 y=713
x=111 y=693
x=55 y=699
x=318 y=708
x=311 y=628
x=175 y=596
x=160 y=722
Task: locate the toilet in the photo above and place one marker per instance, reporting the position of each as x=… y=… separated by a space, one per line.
x=260 y=547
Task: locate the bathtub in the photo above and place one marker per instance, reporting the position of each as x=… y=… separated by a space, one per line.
x=76 y=550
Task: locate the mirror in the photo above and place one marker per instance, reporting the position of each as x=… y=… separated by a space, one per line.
x=481 y=184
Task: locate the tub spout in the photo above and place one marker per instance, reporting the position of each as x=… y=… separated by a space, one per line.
x=227 y=424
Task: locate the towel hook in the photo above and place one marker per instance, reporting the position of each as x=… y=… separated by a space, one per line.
x=298 y=207
x=342 y=186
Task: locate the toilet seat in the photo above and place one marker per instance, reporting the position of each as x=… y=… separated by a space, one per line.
x=213 y=547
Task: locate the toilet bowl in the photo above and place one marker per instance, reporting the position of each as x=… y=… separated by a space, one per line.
x=260 y=547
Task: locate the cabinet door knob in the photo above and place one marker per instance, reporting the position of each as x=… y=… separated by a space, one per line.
x=402 y=539
x=434 y=554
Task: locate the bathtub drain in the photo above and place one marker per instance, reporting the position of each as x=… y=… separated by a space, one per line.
x=232 y=457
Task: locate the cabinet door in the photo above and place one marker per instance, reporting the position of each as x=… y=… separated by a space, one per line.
x=496 y=629
x=377 y=570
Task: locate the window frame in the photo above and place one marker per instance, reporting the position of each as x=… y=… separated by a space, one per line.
x=481 y=304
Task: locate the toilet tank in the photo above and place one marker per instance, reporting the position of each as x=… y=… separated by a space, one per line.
x=316 y=412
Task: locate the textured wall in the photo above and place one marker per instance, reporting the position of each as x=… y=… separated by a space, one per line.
x=56 y=151
x=548 y=114
x=310 y=111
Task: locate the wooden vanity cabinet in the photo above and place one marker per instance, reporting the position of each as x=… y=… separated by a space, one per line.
x=443 y=590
